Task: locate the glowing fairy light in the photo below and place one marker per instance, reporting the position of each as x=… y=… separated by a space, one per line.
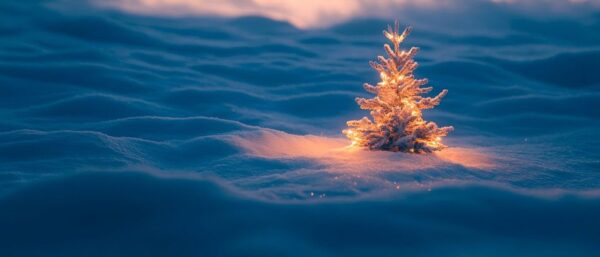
x=397 y=123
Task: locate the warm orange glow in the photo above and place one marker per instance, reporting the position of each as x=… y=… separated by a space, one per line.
x=475 y=158
x=275 y=144
x=397 y=124
x=383 y=76
x=337 y=156
x=353 y=137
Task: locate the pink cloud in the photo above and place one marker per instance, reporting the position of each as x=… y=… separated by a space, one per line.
x=314 y=13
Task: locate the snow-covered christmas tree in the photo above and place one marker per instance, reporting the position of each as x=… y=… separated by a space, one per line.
x=397 y=123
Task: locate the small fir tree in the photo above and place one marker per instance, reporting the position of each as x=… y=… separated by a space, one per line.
x=397 y=124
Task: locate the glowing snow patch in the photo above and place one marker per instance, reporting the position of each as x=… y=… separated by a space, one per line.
x=338 y=155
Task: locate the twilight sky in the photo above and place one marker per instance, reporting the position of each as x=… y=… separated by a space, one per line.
x=319 y=13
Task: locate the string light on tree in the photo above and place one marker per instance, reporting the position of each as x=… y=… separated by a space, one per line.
x=397 y=124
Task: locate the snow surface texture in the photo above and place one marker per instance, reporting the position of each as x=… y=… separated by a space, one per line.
x=126 y=135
